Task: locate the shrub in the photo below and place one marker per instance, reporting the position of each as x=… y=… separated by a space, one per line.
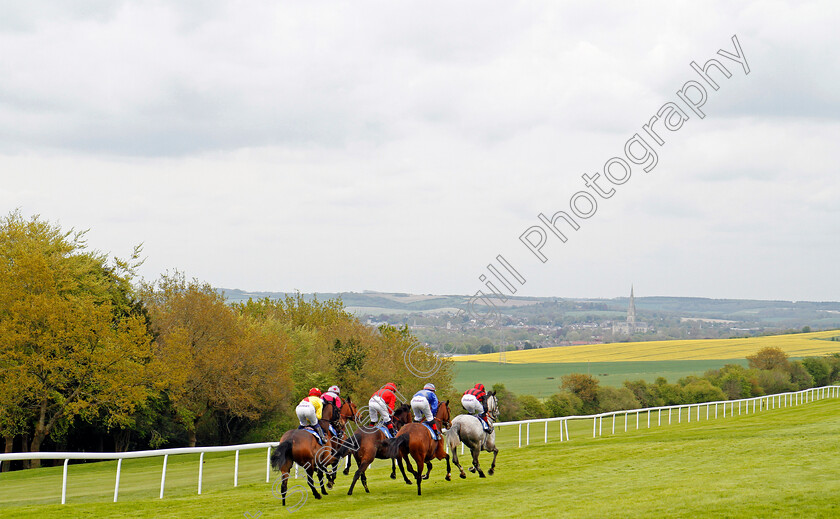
x=799 y=376
x=584 y=387
x=616 y=399
x=768 y=358
x=701 y=390
x=531 y=407
x=819 y=368
x=775 y=381
x=564 y=404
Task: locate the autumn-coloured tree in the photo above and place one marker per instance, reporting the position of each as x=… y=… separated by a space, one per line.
x=216 y=363
x=769 y=358
x=72 y=342
x=584 y=387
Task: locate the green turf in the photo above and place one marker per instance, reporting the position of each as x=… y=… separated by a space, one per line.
x=543 y=379
x=778 y=463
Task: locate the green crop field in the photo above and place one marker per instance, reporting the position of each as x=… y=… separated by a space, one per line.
x=543 y=379
x=778 y=463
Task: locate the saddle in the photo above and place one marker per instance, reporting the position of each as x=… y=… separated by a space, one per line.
x=431 y=431
x=385 y=431
x=484 y=424
x=313 y=432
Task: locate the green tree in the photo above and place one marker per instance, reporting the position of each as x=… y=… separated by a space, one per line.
x=769 y=358
x=819 y=369
x=616 y=399
x=72 y=341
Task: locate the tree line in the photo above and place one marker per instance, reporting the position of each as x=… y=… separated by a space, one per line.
x=769 y=371
x=93 y=359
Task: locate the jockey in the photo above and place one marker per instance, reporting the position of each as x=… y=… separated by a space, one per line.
x=381 y=406
x=425 y=405
x=333 y=395
x=309 y=412
x=475 y=402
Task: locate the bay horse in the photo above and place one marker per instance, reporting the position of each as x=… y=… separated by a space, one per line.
x=369 y=443
x=415 y=440
x=338 y=418
x=468 y=429
x=301 y=447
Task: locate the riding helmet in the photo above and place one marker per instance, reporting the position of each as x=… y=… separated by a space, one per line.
x=315 y=392
x=429 y=387
x=334 y=389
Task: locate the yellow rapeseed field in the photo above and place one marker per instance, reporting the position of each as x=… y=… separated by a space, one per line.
x=795 y=345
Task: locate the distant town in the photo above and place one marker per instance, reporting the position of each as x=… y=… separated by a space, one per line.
x=441 y=322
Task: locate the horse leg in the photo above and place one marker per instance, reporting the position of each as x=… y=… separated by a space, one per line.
x=455 y=461
x=284 y=485
x=394 y=469
x=402 y=469
x=419 y=472
x=428 y=469
x=475 y=452
x=309 y=472
x=493 y=465
x=360 y=472
x=441 y=453
x=347 y=466
x=321 y=481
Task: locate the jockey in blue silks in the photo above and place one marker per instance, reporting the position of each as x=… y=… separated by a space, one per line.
x=425 y=404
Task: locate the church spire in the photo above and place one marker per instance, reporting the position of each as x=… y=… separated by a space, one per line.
x=631 y=310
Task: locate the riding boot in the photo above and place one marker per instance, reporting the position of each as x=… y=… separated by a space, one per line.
x=321 y=434
x=435 y=429
x=390 y=426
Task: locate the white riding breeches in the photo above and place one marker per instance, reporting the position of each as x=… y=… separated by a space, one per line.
x=472 y=405
x=306 y=413
x=421 y=409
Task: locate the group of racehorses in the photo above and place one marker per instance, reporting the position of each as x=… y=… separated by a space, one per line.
x=413 y=443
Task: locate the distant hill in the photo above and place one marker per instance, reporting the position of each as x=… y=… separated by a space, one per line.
x=777 y=314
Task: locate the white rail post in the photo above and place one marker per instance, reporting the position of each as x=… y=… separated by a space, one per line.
x=64 y=483
x=715 y=410
x=520 y=435
x=698 y=412
x=707 y=411
x=625 y=420
x=117 y=484
x=669 y=416
x=600 y=426
x=200 y=471
x=566 y=426
x=739 y=408
x=561 y=429
x=594 y=426
x=689 y=413
x=163 y=475
x=637 y=420
x=648 y=419
x=679 y=414
x=546 y=432
x=528 y=434
x=613 y=428
x=659 y=421
x=268 y=465
x=724 y=409
x=236 y=470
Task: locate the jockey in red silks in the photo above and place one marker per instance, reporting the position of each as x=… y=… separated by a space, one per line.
x=309 y=412
x=475 y=402
x=381 y=407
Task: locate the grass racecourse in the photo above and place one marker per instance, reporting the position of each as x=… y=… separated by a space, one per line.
x=777 y=463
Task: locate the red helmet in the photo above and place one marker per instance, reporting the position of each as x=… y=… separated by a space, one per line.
x=315 y=392
x=480 y=387
x=391 y=386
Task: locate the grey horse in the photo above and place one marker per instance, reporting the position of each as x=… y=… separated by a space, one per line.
x=467 y=429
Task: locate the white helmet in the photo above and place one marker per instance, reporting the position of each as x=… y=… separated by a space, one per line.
x=429 y=387
x=334 y=389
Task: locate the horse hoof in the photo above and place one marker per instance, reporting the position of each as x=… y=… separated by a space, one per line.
x=346 y=472
x=349 y=492
x=367 y=491
x=425 y=478
x=317 y=496
x=393 y=476
x=463 y=476
x=481 y=475
x=448 y=477
x=491 y=471
x=472 y=469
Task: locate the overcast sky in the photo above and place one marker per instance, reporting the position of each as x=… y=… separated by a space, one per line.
x=401 y=147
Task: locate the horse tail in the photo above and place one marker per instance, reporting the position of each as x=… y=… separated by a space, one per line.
x=395 y=446
x=281 y=454
x=453 y=435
